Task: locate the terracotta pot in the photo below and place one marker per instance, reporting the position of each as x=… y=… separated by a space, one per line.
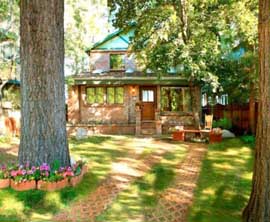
x=62 y=184
x=215 y=138
x=84 y=169
x=52 y=186
x=4 y=183
x=74 y=181
x=45 y=185
x=27 y=185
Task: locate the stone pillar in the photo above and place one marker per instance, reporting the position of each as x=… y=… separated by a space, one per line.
x=138 y=120
x=73 y=105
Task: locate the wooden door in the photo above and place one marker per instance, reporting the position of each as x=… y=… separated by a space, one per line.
x=148 y=98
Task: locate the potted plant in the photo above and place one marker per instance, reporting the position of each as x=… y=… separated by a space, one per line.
x=215 y=135
x=4 y=177
x=23 y=178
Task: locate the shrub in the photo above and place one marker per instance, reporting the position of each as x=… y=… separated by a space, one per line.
x=249 y=139
x=223 y=123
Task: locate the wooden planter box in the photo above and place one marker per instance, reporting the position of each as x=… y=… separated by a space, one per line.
x=178 y=135
x=23 y=186
x=52 y=186
x=215 y=138
x=4 y=183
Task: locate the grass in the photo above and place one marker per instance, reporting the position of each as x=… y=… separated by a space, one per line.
x=98 y=151
x=224 y=184
x=141 y=196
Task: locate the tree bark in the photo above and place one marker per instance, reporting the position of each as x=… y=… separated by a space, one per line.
x=258 y=208
x=252 y=109
x=43 y=123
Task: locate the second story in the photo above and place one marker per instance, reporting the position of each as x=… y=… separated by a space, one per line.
x=111 y=55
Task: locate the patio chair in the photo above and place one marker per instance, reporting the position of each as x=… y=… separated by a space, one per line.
x=208 y=122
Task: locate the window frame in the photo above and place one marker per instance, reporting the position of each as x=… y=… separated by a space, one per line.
x=167 y=112
x=123 y=62
x=105 y=95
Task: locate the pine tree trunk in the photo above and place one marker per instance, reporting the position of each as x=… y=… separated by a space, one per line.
x=252 y=109
x=43 y=124
x=258 y=208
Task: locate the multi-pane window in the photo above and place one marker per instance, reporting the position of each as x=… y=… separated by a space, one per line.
x=175 y=99
x=115 y=95
x=148 y=95
x=117 y=61
x=100 y=95
x=95 y=95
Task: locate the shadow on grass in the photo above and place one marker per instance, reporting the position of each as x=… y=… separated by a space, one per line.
x=224 y=184
x=92 y=139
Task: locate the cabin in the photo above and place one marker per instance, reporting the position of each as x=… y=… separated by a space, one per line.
x=116 y=97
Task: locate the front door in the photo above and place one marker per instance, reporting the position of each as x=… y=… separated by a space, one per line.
x=148 y=98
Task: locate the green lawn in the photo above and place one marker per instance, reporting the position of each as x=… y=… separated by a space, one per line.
x=98 y=151
x=141 y=196
x=222 y=192
x=224 y=184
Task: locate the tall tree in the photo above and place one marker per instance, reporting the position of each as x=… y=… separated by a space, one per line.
x=258 y=208
x=43 y=124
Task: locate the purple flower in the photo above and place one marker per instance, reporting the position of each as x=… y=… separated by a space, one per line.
x=24 y=172
x=30 y=172
x=69 y=169
x=44 y=167
x=62 y=169
x=33 y=168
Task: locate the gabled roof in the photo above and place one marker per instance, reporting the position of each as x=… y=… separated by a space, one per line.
x=118 y=40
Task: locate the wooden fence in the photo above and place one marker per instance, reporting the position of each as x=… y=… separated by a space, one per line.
x=238 y=114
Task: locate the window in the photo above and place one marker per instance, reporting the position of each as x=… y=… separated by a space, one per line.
x=95 y=95
x=117 y=61
x=119 y=95
x=115 y=95
x=175 y=99
x=148 y=95
x=112 y=95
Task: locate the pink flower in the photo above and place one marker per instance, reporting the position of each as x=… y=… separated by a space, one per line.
x=13 y=173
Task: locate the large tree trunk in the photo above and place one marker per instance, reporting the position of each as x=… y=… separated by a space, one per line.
x=252 y=109
x=258 y=208
x=43 y=124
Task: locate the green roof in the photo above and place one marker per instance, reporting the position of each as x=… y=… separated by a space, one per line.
x=118 y=40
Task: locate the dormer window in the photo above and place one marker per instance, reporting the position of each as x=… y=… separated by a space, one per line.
x=117 y=62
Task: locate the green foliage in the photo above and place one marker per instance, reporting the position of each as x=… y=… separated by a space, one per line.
x=85 y=24
x=223 y=123
x=197 y=38
x=12 y=94
x=249 y=139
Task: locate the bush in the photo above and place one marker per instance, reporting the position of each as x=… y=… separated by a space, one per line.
x=223 y=123
x=249 y=139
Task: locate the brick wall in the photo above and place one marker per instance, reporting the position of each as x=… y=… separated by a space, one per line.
x=101 y=60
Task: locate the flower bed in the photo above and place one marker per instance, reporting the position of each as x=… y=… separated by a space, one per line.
x=4 y=177
x=44 y=177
